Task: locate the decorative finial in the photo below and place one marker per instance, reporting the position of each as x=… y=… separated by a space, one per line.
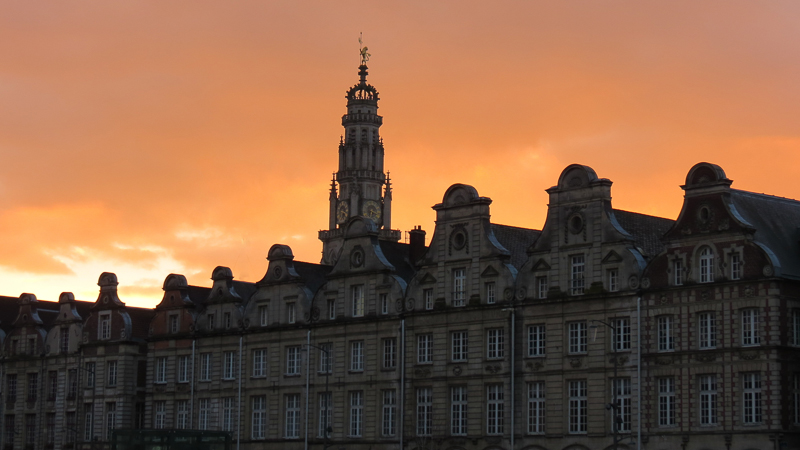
x=363 y=50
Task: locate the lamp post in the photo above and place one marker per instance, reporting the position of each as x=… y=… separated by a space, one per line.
x=329 y=400
x=613 y=406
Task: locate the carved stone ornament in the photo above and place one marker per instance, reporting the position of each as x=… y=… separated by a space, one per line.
x=246 y=323
x=633 y=282
x=398 y=305
x=646 y=283
x=508 y=294
x=457 y=370
x=357 y=257
x=706 y=357
x=521 y=293
x=493 y=369
x=704 y=294
x=748 y=291
x=748 y=356
x=410 y=304
x=663 y=300
x=123 y=334
x=767 y=270
x=277 y=272
x=620 y=360
x=576 y=362
x=535 y=366
x=422 y=372
x=724 y=224
x=664 y=360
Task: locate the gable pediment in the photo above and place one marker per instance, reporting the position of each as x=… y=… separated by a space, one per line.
x=540 y=265
x=611 y=257
x=428 y=279
x=490 y=272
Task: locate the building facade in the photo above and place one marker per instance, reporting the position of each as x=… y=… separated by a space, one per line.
x=606 y=328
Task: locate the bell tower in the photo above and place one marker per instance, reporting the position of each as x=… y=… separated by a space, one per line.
x=360 y=187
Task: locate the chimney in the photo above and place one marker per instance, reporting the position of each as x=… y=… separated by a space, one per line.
x=416 y=240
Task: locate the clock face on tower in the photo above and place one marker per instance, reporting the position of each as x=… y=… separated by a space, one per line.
x=342 y=212
x=372 y=210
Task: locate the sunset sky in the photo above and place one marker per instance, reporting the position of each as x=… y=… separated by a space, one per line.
x=155 y=137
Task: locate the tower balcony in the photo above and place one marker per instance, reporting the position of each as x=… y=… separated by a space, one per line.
x=376 y=175
x=383 y=234
x=374 y=119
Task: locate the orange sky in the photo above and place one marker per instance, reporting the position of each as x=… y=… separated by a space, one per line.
x=145 y=138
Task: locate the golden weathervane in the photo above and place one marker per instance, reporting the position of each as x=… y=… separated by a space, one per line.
x=363 y=50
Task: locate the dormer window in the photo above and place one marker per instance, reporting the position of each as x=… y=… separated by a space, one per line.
x=263 y=314
x=459 y=286
x=736 y=266
x=706 y=265
x=210 y=321
x=104 y=330
x=576 y=274
x=64 y=342
x=226 y=318
x=173 y=324
x=358 y=300
x=290 y=312
x=613 y=280
x=677 y=269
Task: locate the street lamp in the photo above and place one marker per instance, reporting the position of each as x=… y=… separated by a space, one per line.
x=613 y=406
x=327 y=427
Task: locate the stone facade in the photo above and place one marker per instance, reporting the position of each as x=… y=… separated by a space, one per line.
x=490 y=337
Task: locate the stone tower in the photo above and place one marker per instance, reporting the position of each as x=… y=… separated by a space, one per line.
x=360 y=187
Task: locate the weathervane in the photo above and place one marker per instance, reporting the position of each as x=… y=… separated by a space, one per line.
x=363 y=50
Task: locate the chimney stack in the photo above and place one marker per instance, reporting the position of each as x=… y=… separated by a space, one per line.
x=416 y=240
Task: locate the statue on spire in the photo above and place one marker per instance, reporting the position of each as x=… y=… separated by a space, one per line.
x=363 y=50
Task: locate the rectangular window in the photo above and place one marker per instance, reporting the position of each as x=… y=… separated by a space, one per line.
x=459 y=346
x=357 y=294
x=707 y=324
x=357 y=356
x=173 y=323
x=104 y=328
x=495 y=343
x=50 y=429
x=706 y=265
x=30 y=429
x=258 y=420
x=33 y=386
x=210 y=321
x=161 y=370
x=622 y=388
x=290 y=312
x=263 y=314
x=203 y=412
x=205 y=367
x=71 y=421
x=384 y=301
x=9 y=425
x=72 y=384
x=536 y=340
x=490 y=293
x=494 y=409
x=356 y=413
x=541 y=287
x=331 y=309
x=11 y=387
x=751 y=398
x=181 y=414
x=424 y=349
x=613 y=280
x=390 y=353
x=736 y=266
x=622 y=334
x=325 y=404
x=666 y=341
x=325 y=358
x=427 y=297
x=292 y=429
x=52 y=385
x=578 y=407
x=64 y=341
x=576 y=274
x=259 y=363
x=666 y=402
x=459 y=287
x=228 y=365
x=458 y=410
x=90 y=372
x=424 y=411
x=111 y=368
x=796 y=327
x=708 y=400
x=88 y=422
x=750 y=336
x=184 y=368
x=389 y=413
x=677 y=272
x=160 y=417
x=228 y=405
x=577 y=337
x=293 y=360
x=536 y=407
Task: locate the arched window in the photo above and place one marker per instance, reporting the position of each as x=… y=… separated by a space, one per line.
x=706 y=265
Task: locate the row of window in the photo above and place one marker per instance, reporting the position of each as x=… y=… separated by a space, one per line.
x=32 y=388
x=707 y=330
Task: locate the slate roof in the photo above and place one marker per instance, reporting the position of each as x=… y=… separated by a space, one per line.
x=646 y=230
x=313 y=274
x=776 y=221
x=397 y=254
x=140 y=320
x=516 y=240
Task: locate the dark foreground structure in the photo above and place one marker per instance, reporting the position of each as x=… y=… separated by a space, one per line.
x=605 y=328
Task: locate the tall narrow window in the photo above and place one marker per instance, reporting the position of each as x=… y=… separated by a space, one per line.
x=89 y=367
x=203 y=412
x=160 y=417
x=173 y=323
x=161 y=369
x=458 y=410
x=536 y=340
x=577 y=337
x=104 y=329
x=228 y=404
x=181 y=414
x=677 y=272
x=736 y=266
x=325 y=358
x=357 y=294
x=357 y=356
x=494 y=409
x=64 y=341
x=576 y=274
x=666 y=402
x=389 y=413
x=290 y=312
x=536 y=407
x=331 y=309
x=111 y=367
x=389 y=353
x=578 y=404
x=750 y=335
x=622 y=388
x=622 y=334
x=495 y=343
x=72 y=384
x=459 y=287
x=293 y=360
x=71 y=421
x=292 y=430
x=459 y=349
x=751 y=398
x=263 y=314
x=184 y=368
x=258 y=419
x=707 y=330
x=541 y=287
x=88 y=421
x=33 y=386
x=324 y=414
x=427 y=298
x=356 y=413
x=50 y=429
x=613 y=280
x=384 y=301
x=490 y=293
x=30 y=430
x=52 y=385
x=259 y=363
x=11 y=387
x=796 y=327
x=226 y=319
x=210 y=321
x=424 y=348
x=424 y=411
x=708 y=400
x=706 y=265
x=666 y=342
x=205 y=367
x=228 y=365
x=9 y=425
